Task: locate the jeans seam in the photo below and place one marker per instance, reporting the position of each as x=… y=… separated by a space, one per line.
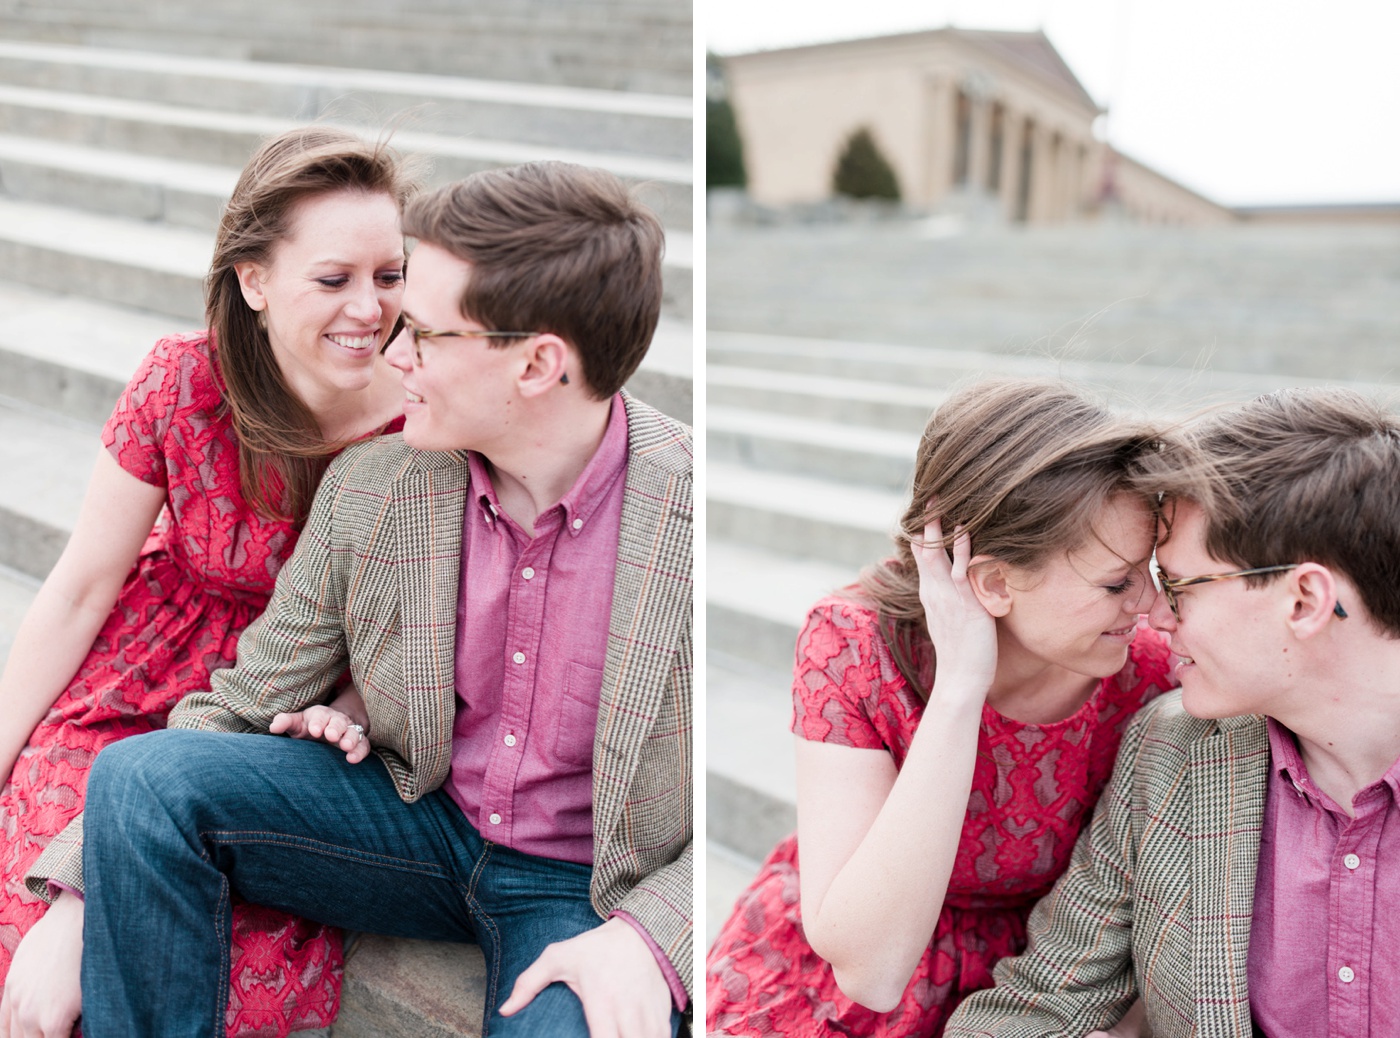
x=493 y=970
x=223 y=907
x=231 y=838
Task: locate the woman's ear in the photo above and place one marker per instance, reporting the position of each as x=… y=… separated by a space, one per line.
x=989 y=579
x=250 y=279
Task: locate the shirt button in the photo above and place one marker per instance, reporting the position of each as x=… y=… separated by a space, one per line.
x=527 y=572
x=510 y=740
x=496 y=820
x=578 y=524
x=1351 y=861
x=1345 y=975
x=519 y=657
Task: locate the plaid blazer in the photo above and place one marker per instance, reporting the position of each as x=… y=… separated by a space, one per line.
x=373 y=582
x=1157 y=898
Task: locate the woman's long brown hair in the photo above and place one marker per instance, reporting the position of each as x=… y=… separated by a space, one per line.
x=1024 y=466
x=282 y=453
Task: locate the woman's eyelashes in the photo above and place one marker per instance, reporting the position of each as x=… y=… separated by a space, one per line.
x=386 y=279
x=1122 y=587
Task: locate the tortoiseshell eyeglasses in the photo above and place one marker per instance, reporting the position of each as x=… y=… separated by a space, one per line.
x=1170 y=586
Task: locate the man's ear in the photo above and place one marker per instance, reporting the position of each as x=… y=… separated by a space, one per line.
x=251 y=277
x=989 y=579
x=1313 y=592
x=549 y=361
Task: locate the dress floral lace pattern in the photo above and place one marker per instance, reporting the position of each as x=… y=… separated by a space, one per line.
x=1033 y=788
x=203 y=575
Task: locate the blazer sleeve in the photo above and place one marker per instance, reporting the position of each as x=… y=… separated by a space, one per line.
x=291 y=655
x=662 y=903
x=1076 y=974
x=287 y=659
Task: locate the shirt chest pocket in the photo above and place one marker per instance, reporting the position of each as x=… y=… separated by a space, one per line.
x=578 y=715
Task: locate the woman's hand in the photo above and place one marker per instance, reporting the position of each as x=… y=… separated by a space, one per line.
x=43 y=992
x=964 y=634
x=327 y=724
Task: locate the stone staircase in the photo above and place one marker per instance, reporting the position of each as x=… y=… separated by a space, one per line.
x=827 y=348
x=636 y=45
x=113 y=168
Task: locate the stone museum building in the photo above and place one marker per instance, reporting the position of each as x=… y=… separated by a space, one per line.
x=989 y=124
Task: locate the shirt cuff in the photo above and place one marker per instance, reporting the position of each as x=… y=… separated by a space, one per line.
x=56 y=888
x=673 y=979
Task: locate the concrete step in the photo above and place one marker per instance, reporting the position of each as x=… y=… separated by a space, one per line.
x=610 y=45
x=228 y=138
x=47 y=460
x=909 y=374
x=877 y=405
x=757 y=600
x=161 y=268
x=751 y=781
x=727 y=875
x=411 y=989
x=70 y=354
x=828 y=450
x=137 y=187
x=16 y=593
x=1285 y=302
x=567 y=117
x=73 y=355
x=800 y=516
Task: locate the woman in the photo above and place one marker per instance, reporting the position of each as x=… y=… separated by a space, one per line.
x=957 y=713
x=224 y=436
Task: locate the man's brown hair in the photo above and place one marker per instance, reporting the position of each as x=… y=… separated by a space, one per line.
x=556 y=248
x=1300 y=475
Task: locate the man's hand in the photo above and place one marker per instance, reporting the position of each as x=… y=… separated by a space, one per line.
x=1129 y=1027
x=615 y=976
x=43 y=993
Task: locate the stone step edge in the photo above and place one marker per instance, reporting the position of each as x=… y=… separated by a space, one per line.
x=662 y=106
x=98 y=236
x=754 y=344
x=631 y=167
x=743 y=819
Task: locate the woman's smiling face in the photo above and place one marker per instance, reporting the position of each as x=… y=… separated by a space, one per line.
x=1079 y=610
x=331 y=292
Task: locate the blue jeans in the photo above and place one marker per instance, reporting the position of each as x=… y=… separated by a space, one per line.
x=176 y=820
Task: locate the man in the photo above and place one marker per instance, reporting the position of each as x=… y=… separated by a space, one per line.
x=1240 y=874
x=518 y=621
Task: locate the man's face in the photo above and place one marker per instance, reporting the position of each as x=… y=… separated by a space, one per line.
x=1227 y=638
x=461 y=395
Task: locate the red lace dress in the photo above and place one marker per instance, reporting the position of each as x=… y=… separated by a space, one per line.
x=203 y=575
x=1032 y=788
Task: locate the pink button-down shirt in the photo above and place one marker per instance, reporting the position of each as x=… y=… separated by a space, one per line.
x=1324 y=948
x=532 y=636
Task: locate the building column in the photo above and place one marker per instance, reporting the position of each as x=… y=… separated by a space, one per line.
x=1013 y=128
x=940 y=131
x=1040 y=210
x=979 y=143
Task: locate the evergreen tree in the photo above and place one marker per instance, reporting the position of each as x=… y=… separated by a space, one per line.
x=724 y=150
x=862 y=172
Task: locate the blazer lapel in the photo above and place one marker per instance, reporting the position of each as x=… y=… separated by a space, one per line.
x=1229 y=772
x=651 y=607
x=427 y=511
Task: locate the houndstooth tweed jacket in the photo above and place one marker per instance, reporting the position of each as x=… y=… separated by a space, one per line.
x=1157 y=898
x=374 y=582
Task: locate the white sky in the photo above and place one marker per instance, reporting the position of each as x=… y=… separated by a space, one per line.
x=1246 y=101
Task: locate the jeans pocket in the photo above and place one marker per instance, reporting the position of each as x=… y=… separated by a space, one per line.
x=578 y=715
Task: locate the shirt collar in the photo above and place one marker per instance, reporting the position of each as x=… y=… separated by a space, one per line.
x=598 y=477
x=1287 y=763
